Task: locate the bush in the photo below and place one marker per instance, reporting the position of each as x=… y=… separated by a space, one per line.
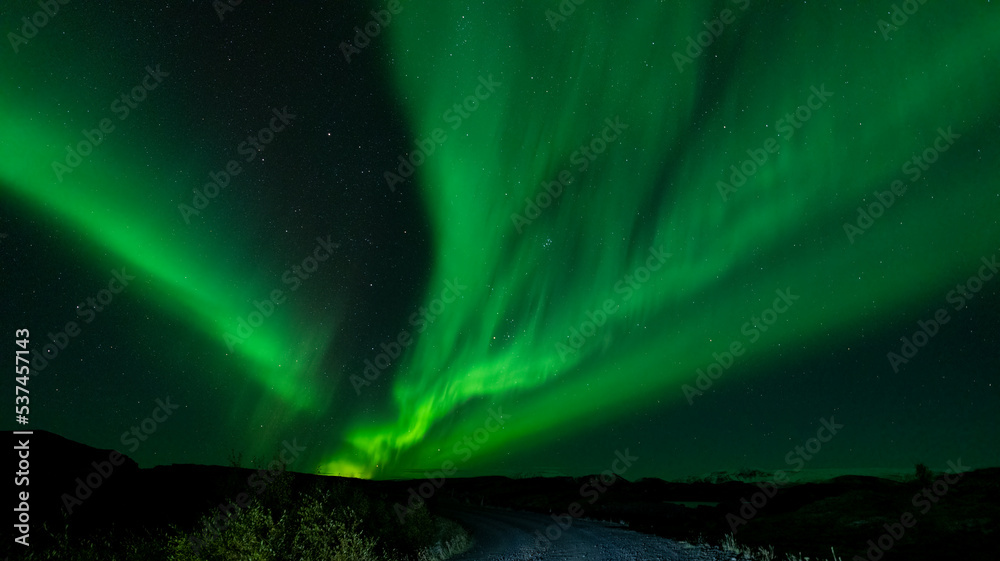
x=322 y=535
x=312 y=532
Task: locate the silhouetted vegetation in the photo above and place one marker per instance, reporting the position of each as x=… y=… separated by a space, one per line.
x=328 y=523
x=923 y=474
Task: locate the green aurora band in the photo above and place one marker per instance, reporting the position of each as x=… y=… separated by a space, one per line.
x=125 y=211
x=654 y=187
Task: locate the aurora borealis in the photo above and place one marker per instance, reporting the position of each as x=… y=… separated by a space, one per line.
x=569 y=215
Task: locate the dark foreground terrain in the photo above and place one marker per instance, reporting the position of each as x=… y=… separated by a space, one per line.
x=93 y=504
x=938 y=516
x=514 y=536
x=89 y=504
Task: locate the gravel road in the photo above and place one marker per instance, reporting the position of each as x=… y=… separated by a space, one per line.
x=503 y=535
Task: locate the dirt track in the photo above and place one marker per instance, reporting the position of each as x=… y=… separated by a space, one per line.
x=503 y=535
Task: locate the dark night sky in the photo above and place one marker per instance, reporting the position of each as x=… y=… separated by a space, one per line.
x=582 y=324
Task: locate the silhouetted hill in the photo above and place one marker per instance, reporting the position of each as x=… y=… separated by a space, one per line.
x=957 y=520
x=87 y=490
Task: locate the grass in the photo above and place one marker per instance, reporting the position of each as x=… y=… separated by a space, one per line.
x=762 y=554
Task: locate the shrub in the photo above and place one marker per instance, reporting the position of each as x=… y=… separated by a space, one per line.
x=321 y=535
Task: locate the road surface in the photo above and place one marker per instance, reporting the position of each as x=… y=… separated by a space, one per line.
x=503 y=535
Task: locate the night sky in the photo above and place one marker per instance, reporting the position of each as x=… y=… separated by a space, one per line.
x=250 y=211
